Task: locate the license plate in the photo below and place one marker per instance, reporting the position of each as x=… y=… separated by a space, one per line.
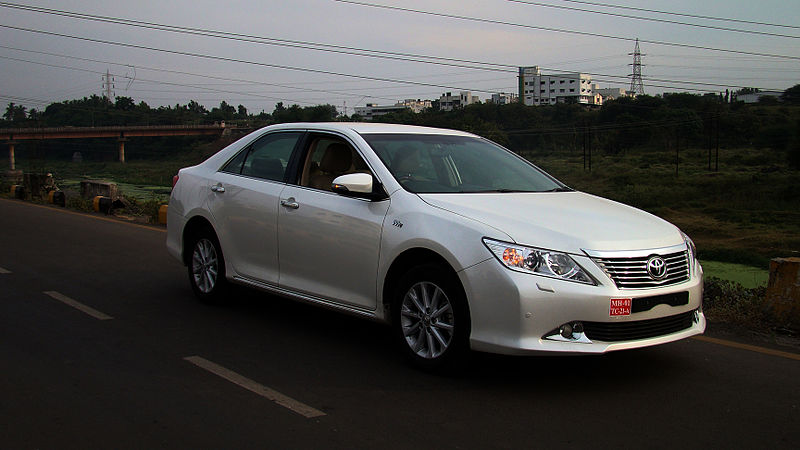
x=620 y=307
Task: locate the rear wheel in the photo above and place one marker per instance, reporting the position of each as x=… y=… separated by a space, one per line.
x=207 y=267
x=431 y=320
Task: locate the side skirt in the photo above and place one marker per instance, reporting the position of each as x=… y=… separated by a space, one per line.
x=306 y=298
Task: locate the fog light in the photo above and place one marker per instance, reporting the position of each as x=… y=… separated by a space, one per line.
x=569 y=332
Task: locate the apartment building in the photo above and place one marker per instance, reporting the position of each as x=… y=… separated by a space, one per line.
x=537 y=89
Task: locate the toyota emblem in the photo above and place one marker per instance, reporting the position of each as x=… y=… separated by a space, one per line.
x=656 y=267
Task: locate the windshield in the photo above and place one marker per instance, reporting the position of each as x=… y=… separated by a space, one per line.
x=427 y=164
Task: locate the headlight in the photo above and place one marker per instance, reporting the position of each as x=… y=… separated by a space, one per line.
x=538 y=261
x=692 y=249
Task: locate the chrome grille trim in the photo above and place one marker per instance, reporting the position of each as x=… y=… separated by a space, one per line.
x=628 y=269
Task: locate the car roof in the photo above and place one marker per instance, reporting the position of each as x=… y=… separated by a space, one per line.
x=369 y=128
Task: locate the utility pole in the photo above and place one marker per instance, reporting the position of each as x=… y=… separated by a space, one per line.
x=108 y=86
x=716 y=162
x=637 y=88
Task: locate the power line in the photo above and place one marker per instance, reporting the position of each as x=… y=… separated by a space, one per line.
x=455 y=62
x=290 y=43
x=362 y=77
x=672 y=13
x=251 y=82
x=316 y=46
x=564 y=30
x=651 y=19
x=224 y=91
x=236 y=60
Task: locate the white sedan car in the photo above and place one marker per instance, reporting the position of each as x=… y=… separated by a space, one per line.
x=455 y=241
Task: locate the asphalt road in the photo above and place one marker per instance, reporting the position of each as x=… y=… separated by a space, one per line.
x=117 y=375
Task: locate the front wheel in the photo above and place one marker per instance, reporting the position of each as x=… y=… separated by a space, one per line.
x=431 y=320
x=207 y=267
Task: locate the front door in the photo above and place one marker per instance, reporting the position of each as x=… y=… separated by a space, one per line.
x=329 y=244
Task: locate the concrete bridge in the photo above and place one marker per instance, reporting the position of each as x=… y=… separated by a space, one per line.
x=13 y=136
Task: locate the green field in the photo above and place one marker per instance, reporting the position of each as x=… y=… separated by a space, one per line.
x=747 y=276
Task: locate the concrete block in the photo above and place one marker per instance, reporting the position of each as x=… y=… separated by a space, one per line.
x=93 y=188
x=783 y=290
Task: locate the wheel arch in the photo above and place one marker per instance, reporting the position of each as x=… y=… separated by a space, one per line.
x=194 y=225
x=404 y=262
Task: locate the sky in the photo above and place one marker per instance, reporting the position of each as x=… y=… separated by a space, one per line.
x=50 y=57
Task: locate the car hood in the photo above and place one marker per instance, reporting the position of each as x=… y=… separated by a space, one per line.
x=565 y=221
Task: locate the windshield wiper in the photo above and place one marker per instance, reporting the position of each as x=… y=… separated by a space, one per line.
x=559 y=189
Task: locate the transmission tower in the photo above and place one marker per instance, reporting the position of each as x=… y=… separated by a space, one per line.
x=108 y=86
x=637 y=88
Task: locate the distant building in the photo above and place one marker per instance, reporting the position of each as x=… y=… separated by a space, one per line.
x=503 y=98
x=417 y=105
x=449 y=102
x=612 y=93
x=536 y=89
x=372 y=110
x=755 y=97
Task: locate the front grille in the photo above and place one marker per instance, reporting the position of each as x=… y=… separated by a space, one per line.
x=631 y=273
x=639 y=329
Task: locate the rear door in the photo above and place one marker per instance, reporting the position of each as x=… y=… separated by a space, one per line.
x=244 y=202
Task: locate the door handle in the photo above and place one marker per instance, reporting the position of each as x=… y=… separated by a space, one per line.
x=218 y=188
x=290 y=203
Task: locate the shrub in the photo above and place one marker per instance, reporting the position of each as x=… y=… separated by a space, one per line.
x=730 y=302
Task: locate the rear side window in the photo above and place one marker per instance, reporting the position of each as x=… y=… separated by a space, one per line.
x=266 y=158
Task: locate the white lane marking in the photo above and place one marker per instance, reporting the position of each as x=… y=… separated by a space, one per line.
x=270 y=394
x=4 y=271
x=77 y=305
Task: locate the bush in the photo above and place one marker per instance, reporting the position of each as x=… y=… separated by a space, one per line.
x=79 y=203
x=730 y=302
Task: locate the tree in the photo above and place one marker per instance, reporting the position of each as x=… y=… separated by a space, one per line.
x=792 y=95
x=241 y=112
x=15 y=113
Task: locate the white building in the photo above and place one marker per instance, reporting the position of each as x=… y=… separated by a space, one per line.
x=503 y=98
x=372 y=110
x=417 y=105
x=536 y=89
x=449 y=102
x=755 y=97
x=612 y=93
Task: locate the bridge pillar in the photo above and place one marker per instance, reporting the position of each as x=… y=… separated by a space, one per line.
x=121 y=149
x=11 y=160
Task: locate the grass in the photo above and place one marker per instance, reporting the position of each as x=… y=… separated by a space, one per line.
x=747 y=213
x=747 y=276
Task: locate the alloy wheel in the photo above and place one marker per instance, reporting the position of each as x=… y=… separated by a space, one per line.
x=427 y=320
x=205 y=265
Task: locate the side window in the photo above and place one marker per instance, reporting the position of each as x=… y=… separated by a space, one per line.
x=235 y=165
x=269 y=156
x=329 y=157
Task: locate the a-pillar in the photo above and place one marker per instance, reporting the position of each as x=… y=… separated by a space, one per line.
x=11 y=160
x=121 y=149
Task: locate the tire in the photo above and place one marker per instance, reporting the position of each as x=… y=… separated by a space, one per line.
x=206 y=267
x=430 y=317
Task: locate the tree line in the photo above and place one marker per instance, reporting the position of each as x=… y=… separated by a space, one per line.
x=669 y=121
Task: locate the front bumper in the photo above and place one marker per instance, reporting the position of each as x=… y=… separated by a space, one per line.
x=517 y=313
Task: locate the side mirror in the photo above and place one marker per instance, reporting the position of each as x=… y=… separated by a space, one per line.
x=358 y=185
